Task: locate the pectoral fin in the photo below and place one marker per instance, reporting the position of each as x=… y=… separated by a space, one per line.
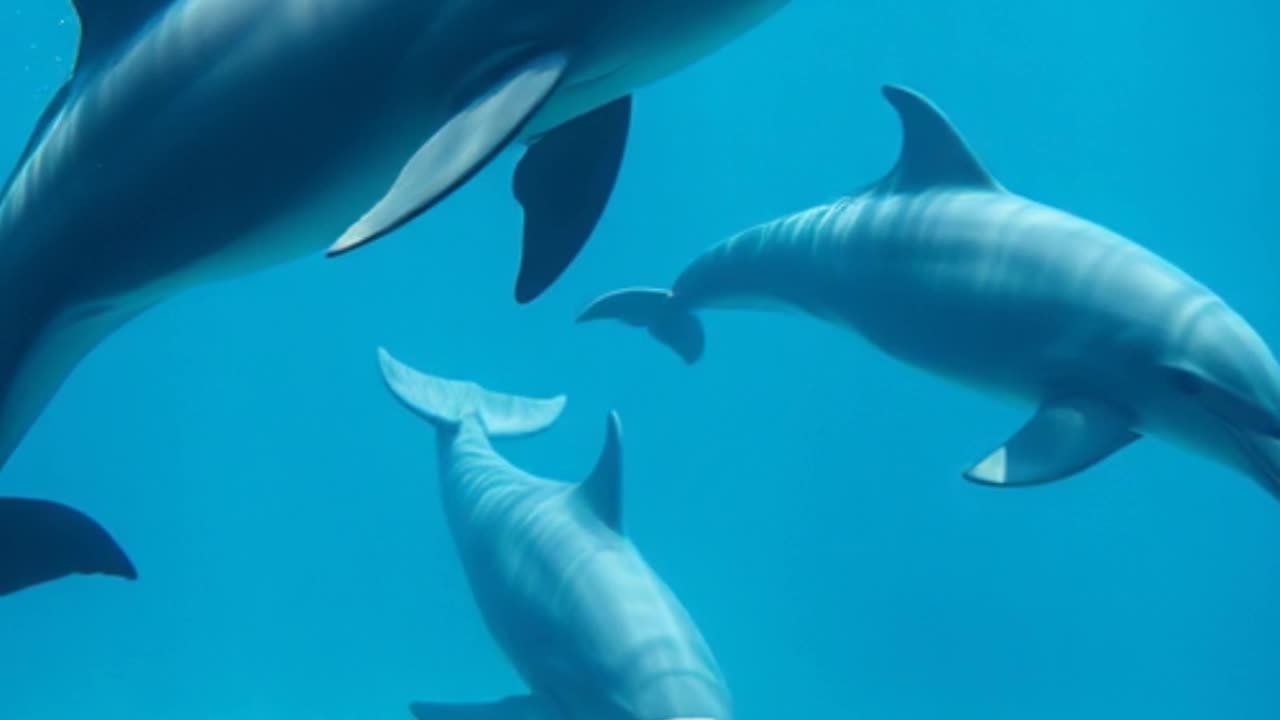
x=459 y=150
x=564 y=183
x=525 y=707
x=1064 y=437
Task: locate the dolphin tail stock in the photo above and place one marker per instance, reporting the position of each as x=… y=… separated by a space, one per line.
x=656 y=310
x=446 y=403
x=41 y=541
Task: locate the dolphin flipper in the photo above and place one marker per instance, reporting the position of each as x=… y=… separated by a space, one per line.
x=1063 y=438
x=459 y=150
x=658 y=312
x=564 y=182
x=42 y=541
x=525 y=707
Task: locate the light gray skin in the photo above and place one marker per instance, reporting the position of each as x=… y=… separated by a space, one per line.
x=941 y=267
x=591 y=629
x=201 y=139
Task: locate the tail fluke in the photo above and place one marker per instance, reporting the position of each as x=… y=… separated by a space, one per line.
x=445 y=403
x=42 y=541
x=655 y=310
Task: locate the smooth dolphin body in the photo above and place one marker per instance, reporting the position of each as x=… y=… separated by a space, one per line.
x=941 y=267
x=198 y=139
x=593 y=631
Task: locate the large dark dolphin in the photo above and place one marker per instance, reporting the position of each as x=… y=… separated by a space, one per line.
x=593 y=631
x=941 y=267
x=197 y=139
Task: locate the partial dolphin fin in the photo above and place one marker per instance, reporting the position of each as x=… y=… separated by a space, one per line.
x=602 y=490
x=564 y=182
x=525 y=707
x=934 y=154
x=106 y=25
x=459 y=150
x=659 y=312
x=42 y=541
x=446 y=403
x=1063 y=438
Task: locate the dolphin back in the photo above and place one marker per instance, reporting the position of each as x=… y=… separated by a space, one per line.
x=446 y=403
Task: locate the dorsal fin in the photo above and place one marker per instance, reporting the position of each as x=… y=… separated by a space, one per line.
x=934 y=154
x=106 y=24
x=602 y=490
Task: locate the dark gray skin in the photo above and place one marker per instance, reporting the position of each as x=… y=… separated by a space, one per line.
x=201 y=139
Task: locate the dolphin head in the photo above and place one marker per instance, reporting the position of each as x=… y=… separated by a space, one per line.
x=1222 y=366
x=1221 y=376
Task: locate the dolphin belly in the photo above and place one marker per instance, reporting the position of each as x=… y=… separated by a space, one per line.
x=640 y=42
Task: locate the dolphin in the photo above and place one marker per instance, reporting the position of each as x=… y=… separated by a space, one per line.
x=45 y=541
x=941 y=267
x=200 y=139
x=589 y=626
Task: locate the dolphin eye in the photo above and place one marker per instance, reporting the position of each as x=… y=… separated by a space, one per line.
x=1187 y=383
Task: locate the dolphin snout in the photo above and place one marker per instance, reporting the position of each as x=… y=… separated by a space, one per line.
x=1269 y=416
x=1263 y=455
x=1245 y=409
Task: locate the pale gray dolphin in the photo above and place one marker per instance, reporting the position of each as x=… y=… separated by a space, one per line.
x=198 y=139
x=941 y=267
x=592 y=630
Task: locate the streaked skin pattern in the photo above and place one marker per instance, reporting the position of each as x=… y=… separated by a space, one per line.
x=228 y=136
x=583 y=618
x=1005 y=294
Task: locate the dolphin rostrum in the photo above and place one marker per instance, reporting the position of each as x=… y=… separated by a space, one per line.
x=941 y=267
x=199 y=139
x=591 y=629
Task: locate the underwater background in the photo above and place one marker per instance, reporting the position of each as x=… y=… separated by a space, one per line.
x=799 y=490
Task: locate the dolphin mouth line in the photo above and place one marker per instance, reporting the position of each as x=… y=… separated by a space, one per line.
x=1248 y=445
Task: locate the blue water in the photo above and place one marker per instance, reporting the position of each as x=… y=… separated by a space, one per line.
x=800 y=491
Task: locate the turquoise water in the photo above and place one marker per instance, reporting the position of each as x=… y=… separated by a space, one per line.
x=800 y=491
